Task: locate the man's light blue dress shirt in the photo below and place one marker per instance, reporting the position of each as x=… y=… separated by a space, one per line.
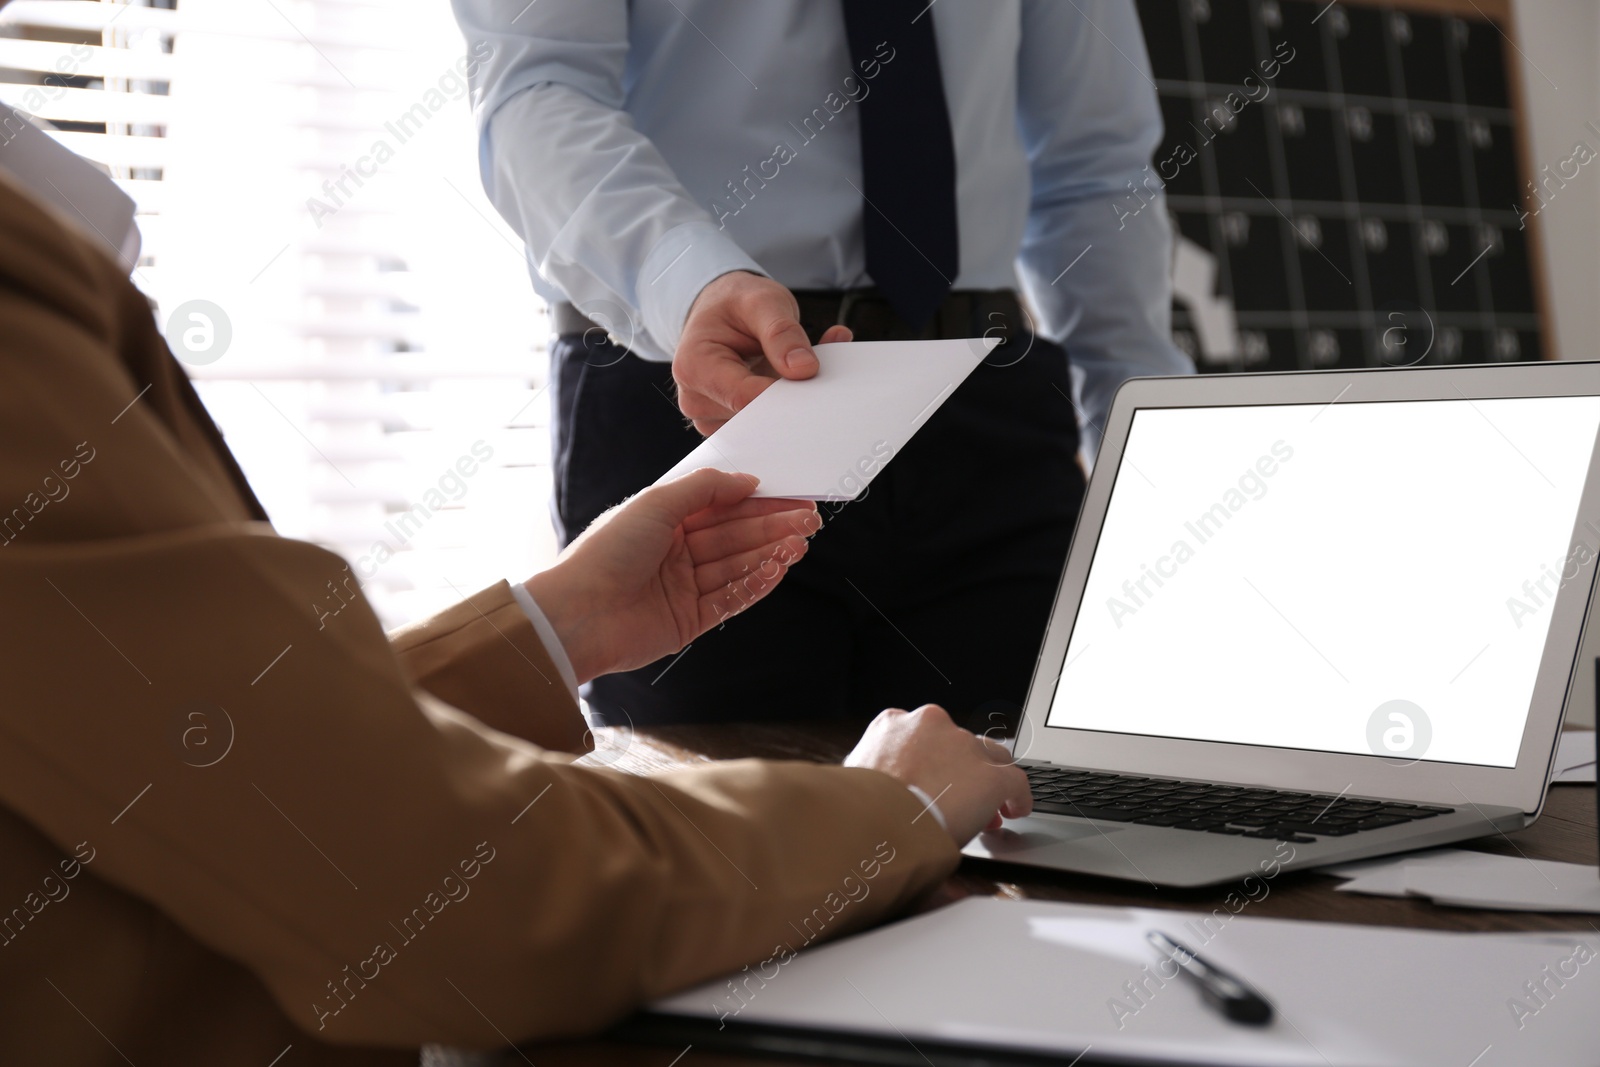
x=644 y=147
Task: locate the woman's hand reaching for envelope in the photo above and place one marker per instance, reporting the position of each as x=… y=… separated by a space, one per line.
x=657 y=571
x=662 y=568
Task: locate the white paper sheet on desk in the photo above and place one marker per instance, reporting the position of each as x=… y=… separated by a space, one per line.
x=1465 y=878
x=827 y=437
x=1386 y=875
x=1510 y=883
x=1575 y=756
x=1068 y=979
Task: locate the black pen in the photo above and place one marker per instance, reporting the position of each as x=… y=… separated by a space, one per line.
x=1232 y=997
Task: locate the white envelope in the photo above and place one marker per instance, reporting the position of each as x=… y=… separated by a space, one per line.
x=827 y=437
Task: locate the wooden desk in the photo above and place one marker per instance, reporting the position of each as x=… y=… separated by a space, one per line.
x=1566 y=831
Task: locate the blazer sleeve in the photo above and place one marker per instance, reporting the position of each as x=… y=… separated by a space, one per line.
x=484 y=657
x=393 y=869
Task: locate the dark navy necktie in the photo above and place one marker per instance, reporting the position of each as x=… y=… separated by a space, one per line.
x=908 y=159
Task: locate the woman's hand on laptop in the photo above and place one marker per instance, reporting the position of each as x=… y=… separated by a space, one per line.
x=665 y=566
x=972 y=780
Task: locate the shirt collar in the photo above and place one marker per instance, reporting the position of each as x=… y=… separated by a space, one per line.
x=79 y=191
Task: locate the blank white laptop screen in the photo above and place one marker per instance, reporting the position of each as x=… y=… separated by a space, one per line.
x=1274 y=575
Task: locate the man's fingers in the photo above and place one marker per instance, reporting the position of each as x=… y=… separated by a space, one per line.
x=741 y=331
x=698 y=406
x=741 y=535
x=783 y=339
x=835 y=334
x=719 y=376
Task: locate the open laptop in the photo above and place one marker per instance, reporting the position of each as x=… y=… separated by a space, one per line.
x=1312 y=617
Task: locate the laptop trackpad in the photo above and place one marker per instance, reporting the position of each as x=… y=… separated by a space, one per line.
x=1006 y=842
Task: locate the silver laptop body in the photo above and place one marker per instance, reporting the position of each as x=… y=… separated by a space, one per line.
x=1339 y=611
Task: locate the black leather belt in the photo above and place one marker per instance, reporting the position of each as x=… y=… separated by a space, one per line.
x=567 y=319
x=964 y=313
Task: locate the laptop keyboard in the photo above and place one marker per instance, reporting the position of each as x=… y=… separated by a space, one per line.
x=1212 y=808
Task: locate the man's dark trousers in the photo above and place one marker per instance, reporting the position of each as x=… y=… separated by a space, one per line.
x=933 y=587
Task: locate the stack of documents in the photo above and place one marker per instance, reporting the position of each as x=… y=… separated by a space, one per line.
x=1466 y=879
x=1065 y=980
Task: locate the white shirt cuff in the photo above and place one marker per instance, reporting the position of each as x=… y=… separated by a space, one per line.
x=547 y=634
x=929 y=805
x=683 y=262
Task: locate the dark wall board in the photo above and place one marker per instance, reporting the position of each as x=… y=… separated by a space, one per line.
x=1349 y=183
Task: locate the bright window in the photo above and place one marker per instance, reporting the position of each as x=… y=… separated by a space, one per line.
x=308 y=169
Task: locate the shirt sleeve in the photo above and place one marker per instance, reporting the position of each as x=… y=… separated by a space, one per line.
x=929 y=804
x=602 y=214
x=1098 y=276
x=547 y=634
